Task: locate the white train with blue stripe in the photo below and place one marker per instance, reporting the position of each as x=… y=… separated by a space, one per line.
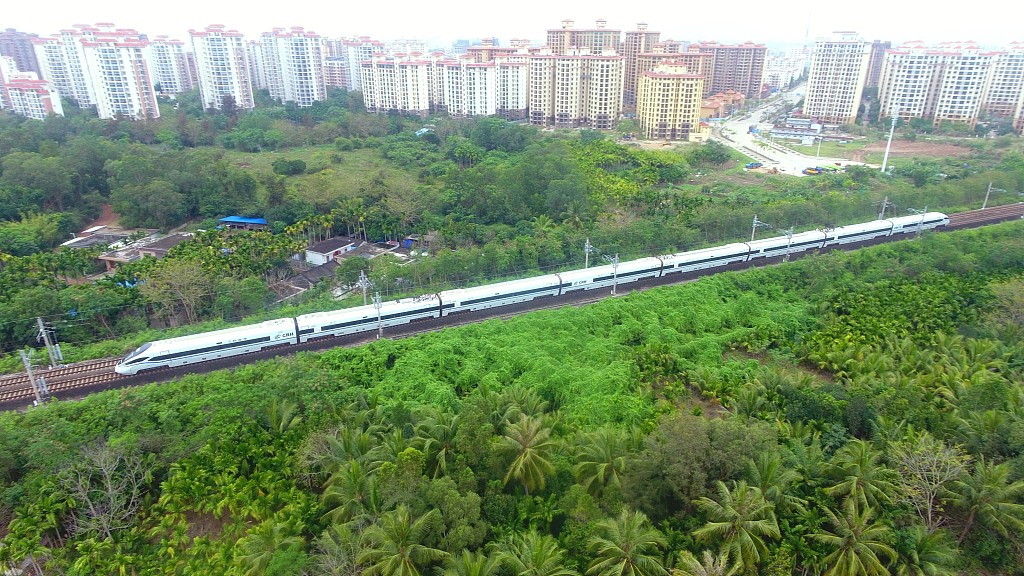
x=290 y=331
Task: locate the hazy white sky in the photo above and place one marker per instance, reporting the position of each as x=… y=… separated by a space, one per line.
x=440 y=22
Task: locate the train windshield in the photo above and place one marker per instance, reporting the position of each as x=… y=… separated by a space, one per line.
x=137 y=351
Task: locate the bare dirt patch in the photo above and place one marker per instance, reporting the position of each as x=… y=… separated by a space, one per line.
x=906 y=149
x=107 y=218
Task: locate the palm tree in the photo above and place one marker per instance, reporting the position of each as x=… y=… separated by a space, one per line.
x=543 y=225
x=738 y=521
x=437 y=434
x=601 y=460
x=392 y=546
x=932 y=555
x=533 y=554
x=770 y=475
x=988 y=497
x=348 y=493
x=626 y=546
x=863 y=476
x=532 y=445
x=282 y=416
x=256 y=550
x=471 y=564
x=859 y=545
x=708 y=565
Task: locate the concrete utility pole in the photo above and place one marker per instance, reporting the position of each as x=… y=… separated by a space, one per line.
x=920 y=223
x=588 y=249
x=363 y=283
x=989 y=191
x=52 y=348
x=377 y=305
x=885 y=204
x=885 y=157
x=757 y=224
x=39 y=388
x=614 y=261
x=789 y=234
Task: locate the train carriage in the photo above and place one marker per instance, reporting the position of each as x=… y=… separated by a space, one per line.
x=208 y=346
x=706 y=258
x=912 y=224
x=602 y=276
x=859 y=232
x=501 y=294
x=364 y=318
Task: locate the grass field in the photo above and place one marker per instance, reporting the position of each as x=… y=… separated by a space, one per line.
x=850 y=150
x=330 y=179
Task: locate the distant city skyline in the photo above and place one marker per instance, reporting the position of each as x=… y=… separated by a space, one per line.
x=778 y=23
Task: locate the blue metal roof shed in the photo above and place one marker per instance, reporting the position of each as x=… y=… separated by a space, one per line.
x=243 y=222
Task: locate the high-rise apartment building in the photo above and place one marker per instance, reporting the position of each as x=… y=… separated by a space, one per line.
x=62 y=62
x=668 y=102
x=567 y=39
x=637 y=42
x=780 y=70
x=839 y=70
x=102 y=66
x=293 y=65
x=25 y=94
x=470 y=88
x=875 y=59
x=695 y=61
x=941 y=83
x=168 y=65
x=19 y=47
x=1006 y=83
x=119 y=73
x=392 y=84
x=222 y=68
x=355 y=51
x=578 y=89
x=738 y=67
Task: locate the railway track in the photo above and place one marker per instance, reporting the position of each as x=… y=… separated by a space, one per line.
x=78 y=380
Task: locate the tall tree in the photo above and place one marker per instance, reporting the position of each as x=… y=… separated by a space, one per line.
x=927 y=468
x=862 y=475
x=929 y=554
x=708 y=565
x=626 y=546
x=739 y=521
x=393 y=546
x=531 y=445
x=989 y=498
x=601 y=459
x=472 y=564
x=533 y=554
x=257 y=550
x=859 y=545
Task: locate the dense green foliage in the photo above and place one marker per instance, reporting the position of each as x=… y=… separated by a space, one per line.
x=847 y=414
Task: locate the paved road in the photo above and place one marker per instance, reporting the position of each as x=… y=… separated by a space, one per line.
x=734 y=132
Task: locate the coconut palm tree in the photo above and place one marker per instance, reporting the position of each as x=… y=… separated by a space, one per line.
x=858 y=544
x=531 y=444
x=862 y=474
x=989 y=498
x=392 y=547
x=770 y=475
x=255 y=551
x=601 y=459
x=708 y=565
x=626 y=546
x=738 y=521
x=348 y=493
x=471 y=564
x=437 y=436
x=533 y=554
x=933 y=554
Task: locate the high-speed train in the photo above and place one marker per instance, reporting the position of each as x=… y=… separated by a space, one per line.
x=290 y=331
